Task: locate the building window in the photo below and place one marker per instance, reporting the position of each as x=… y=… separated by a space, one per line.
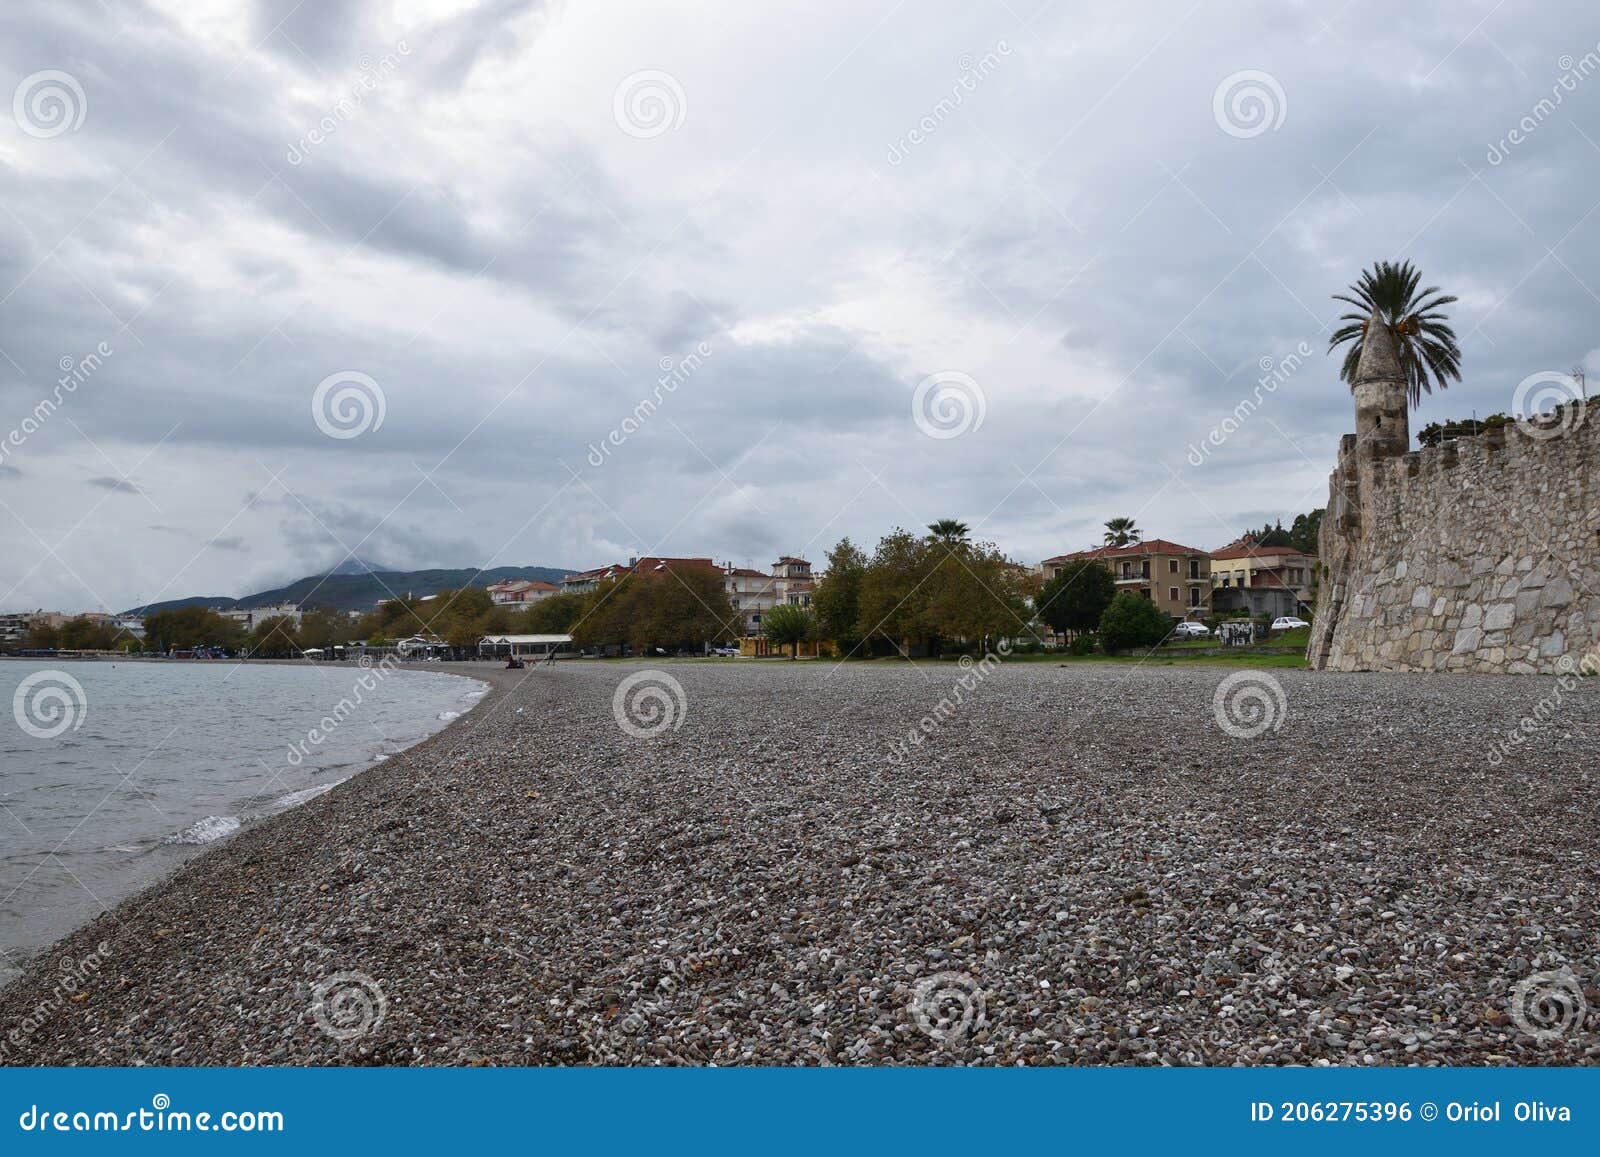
x=1194 y=596
x=1172 y=594
x=1172 y=566
x=1194 y=568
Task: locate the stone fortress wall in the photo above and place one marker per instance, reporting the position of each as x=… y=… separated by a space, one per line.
x=1481 y=554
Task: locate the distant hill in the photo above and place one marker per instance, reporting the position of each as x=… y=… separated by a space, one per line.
x=364 y=590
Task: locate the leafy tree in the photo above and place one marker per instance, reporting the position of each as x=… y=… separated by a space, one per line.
x=837 y=599
x=1304 y=530
x=1122 y=531
x=786 y=625
x=1075 y=599
x=41 y=636
x=1133 y=621
x=554 y=614
x=190 y=627
x=894 y=589
x=1270 y=535
x=949 y=530
x=321 y=629
x=1387 y=295
x=86 y=634
x=685 y=607
x=274 y=638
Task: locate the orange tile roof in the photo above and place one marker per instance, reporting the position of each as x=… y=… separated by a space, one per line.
x=1133 y=549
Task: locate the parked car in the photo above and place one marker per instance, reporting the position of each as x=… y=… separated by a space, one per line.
x=726 y=652
x=1288 y=623
x=1190 y=630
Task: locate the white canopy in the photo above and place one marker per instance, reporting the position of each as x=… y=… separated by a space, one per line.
x=522 y=640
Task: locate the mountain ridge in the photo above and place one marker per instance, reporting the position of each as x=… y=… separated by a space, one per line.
x=360 y=591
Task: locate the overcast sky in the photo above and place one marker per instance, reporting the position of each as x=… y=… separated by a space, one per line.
x=1005 y=261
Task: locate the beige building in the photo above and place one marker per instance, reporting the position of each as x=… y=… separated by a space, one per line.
x=1175 y=577
x=1263 y=580
x=754 y=593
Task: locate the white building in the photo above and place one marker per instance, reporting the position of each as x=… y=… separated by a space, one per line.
x=754 y=593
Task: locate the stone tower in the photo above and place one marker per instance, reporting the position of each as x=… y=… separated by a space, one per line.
x=1383 y=428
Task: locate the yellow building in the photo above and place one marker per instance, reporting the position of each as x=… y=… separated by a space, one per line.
x=1175 y=577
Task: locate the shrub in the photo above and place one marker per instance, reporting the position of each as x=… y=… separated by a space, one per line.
x=1081 y=645
x=1133 y=621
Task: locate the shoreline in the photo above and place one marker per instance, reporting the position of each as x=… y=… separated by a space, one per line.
x=777 y=874
x=60 y=952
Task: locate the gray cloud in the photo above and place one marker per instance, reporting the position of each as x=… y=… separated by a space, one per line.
x=1078 y=234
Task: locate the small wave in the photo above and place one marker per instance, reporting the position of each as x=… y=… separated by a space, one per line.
x=380 y=757
x=206 y=830
x=475 y=694
x=446 y=716
x=304 y=795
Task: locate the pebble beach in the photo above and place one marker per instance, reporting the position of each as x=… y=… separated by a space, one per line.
x=753 y=862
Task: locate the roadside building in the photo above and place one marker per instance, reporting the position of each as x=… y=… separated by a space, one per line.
x=651 y=564
x=1175 y=577
x=1266 y=581
x=754 y=593
x=524 y=646
x=520 y=592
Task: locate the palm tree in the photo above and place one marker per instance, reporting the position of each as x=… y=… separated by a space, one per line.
x=1122 y=531
x=949 y=531
x=1425 y=343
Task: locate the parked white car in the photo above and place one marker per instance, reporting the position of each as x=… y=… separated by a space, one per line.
x=1190 y=631
x=1288 y=623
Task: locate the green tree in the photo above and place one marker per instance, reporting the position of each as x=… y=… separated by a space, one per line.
x=274 y=638
x=190 y=627
x=787 y=625
x=555 y=614
x=948 y=530
x=1133 y=621
x=837 y=599
x=1122 y=531
x=1387 y=295
x=894 y=588
x=86 y=634
x=321 y=629
x=1075 y=599
x=1304 y=530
